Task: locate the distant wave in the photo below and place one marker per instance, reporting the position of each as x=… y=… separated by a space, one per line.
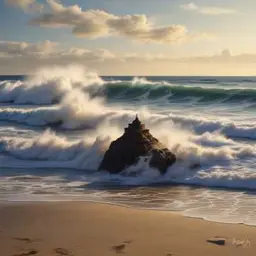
x=50 y=86
x=128 y=90
x=82 y=97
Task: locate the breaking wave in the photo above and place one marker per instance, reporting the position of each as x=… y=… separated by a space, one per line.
x=154 y=90
x=79 y=111
x=81 y=102
x=48 y=86
x=214 y=153
x=55 y=149
x=73 y=115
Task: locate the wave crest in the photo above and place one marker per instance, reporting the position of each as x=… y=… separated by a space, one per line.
x=48 y=85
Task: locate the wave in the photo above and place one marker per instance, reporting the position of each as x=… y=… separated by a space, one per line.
x=128 y=90
x=188 y=146
x=216 y=155
x=41 y=164
x=50 y=85
x=48 y=149
x=82 y=105
x=79 y=111
x=201 y=125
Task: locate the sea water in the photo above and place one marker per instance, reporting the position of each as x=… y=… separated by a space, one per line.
x=56 y=124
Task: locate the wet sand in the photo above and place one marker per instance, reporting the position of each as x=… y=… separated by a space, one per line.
x=93 y=229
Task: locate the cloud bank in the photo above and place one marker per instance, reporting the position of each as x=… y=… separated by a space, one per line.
x=99 y=23
x=8 y=48
x=53 y=52
x=24 y=58
x=208 y=10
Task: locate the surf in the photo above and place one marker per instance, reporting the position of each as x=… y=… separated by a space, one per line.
x=48 y=86
x=76 y=99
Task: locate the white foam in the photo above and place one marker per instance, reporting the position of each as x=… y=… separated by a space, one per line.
x=48 y=85
x=78 y=110
x=202 y=125
x=50 y=150
x=144 y=81
x=195 y=140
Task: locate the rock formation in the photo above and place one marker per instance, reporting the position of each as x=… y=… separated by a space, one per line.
x=133 y=144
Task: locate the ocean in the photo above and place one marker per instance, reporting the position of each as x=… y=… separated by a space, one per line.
x=56 y=124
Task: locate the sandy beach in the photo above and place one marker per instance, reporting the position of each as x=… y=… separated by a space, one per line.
x=93 y=229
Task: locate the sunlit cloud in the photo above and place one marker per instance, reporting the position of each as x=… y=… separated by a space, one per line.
x=24 y=57
x=99 y=23
x=53 y=52
x=9 y=49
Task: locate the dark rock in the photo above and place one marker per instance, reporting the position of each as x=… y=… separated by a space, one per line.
x=133 y=144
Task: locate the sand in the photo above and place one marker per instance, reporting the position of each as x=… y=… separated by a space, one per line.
x=93 y=229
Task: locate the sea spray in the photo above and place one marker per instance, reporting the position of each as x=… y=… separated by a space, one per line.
x=187 y=146
x=48 y=146
x=48 y=85
x=197 y=141
x=79 y=111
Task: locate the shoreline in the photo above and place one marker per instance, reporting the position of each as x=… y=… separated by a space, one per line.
x=91 y=228
x=35 y=202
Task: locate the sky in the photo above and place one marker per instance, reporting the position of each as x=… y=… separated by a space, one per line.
x=129 y=37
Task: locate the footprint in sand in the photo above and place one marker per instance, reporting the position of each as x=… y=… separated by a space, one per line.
x=121 y=247
x=28 y=253
x=63 y=252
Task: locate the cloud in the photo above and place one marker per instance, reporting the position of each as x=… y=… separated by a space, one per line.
x=99 y=23
x=208 y=10
x=225 y=56
x=24 y=58
x=25 y=5
x=51 y=52
x=9 y=49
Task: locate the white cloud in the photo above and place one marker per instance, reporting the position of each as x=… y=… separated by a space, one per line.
x=208 y=10
x=53 y=53
x=26 y=5
x=23 y=58
x=50 y=51
x=9 y=49
x=99 y=23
